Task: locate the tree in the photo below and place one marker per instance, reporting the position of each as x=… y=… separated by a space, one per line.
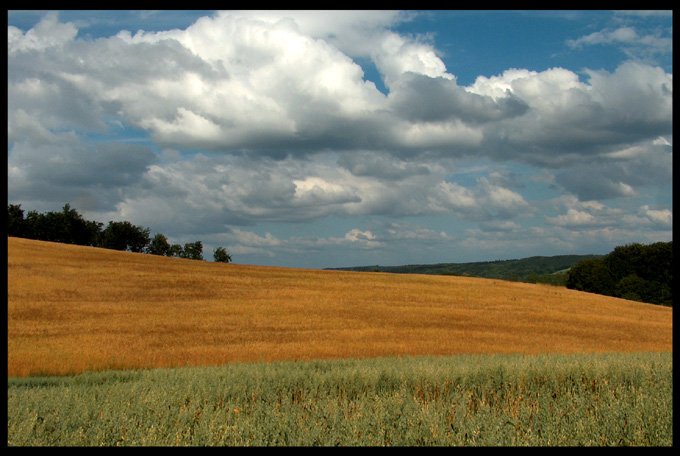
x=125 y=236
x=221 y=255
x=193 y=251
x=176 y=250
x=625 y=260
x=77 y=230
x=633 y=287
x=67 y=226
x=634 y=271
x=159 y=246
x=16 y=225
x=70 y=227
x=44 y=227
x=591 y=275
x=658 y=263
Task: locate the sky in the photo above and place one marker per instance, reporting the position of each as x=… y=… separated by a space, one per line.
x=320 y=139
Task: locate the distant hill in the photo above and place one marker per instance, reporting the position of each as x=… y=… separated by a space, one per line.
x=535 y=269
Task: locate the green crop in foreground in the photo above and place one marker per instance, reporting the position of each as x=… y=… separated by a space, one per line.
x=608 y=399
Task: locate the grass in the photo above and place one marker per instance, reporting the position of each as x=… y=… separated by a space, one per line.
x=471 y=400
x=75 y=309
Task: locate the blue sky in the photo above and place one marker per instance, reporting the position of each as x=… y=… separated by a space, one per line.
x=341 y=138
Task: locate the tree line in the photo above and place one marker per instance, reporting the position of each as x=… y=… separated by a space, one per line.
x=635 y=271
x=69 y=227
x=537 y=269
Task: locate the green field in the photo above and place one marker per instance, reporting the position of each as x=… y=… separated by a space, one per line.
x=489 y=400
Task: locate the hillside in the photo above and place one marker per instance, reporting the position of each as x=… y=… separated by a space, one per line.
x=521 y=269
x=73 y=308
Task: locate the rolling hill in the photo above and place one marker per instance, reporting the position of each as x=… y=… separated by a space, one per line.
x=519 y=269
x=73 y=309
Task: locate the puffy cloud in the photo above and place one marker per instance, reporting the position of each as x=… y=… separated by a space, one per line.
x=589 y=184
x=430 y=99
x=48 y=33
x=365 y=239
x=270 y=83
x=658 y=219
x=250 y=238
x=621 y=173
x=314 y=190
x=48 y=168
x=485 y=202
x=586 y=215
x=355 y=33
x=662 y=218
x=636 y=98
x=396 y=57
x=569 y=120
x=215 y=194
x=575 y=218
x=253 y=117
x=236 y=82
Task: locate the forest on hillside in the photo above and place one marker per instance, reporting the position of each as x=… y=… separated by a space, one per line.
x=538 y=269
x=634 y=271
x=69 y=227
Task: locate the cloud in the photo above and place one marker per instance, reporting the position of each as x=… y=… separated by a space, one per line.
x=663 y=219
x=365 y=239
x=644 y=13
x=569 y=121
x=622 y=34
x=634 y=44
x=269 y=84
x=397 y=56
x=244 y=241
x=586 y=215
x=621 y=173
x=401 y=231
x=637 y=98
x=575 y=218
x=315 y=191
x=249 y=238
x=486 y=202
x=48 y=33
x=255 y=117
x=380 y=165
x=427 y=99
x=232 y=83
x=589 y=184
x=60 y=167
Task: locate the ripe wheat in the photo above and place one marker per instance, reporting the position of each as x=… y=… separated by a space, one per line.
x=73 y=309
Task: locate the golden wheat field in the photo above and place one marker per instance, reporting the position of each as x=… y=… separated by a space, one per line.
x=73 y=309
